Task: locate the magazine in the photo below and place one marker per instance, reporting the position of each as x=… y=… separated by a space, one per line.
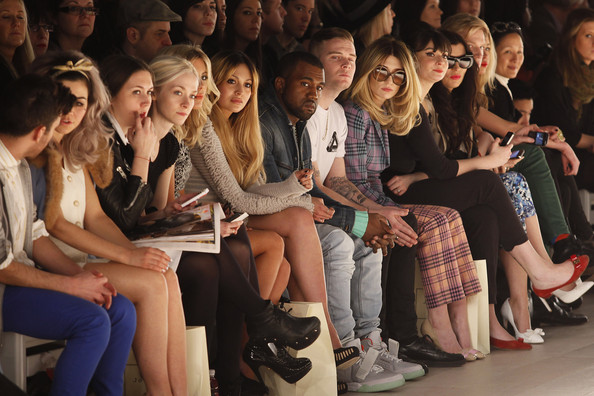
x=196 y=229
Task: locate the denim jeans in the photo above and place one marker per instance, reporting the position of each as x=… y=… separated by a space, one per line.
x=353 y=282
x=98 y=340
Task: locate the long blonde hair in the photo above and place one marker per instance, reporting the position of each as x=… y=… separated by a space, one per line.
x=191 y=132
x=240 y=134
x=375 y=28
x=465 y=25
x=400 y=113
x=86 y=143
x=23 y=55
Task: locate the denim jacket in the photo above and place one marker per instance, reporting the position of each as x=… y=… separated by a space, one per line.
x=287 y=149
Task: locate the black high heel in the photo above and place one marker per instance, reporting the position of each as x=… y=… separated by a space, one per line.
x=286 y=366
x=278 y=326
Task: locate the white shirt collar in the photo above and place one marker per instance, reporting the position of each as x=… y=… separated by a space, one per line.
x=504 y=81
x=117 y=127
x=7 y=160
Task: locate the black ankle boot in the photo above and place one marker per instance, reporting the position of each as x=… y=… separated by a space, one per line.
x=275 y=325
x=287 y=367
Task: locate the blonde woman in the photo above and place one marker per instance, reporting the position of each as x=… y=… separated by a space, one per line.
x=448 y=275
x=533 y=167
x=78 y=158
x=267 y=246
x=15 y=48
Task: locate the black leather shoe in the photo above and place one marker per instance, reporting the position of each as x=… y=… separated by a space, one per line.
x=554 y=314
x=425 y=351
x=564 y=248
x=287 y=367
x=280 y=327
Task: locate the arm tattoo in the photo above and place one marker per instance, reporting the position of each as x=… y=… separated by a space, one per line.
x=345 y=188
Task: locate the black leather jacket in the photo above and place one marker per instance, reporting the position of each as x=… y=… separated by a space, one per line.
x=127 y=195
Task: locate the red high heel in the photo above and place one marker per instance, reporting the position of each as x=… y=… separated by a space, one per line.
x=518 y=344
x=579 y=266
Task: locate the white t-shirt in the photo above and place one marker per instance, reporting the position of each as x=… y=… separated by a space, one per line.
x=327 y=132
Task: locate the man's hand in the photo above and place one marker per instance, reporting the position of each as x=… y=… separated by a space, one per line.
x=404 y=235
x=378 y=232
x=321 y=212
x=91 y=286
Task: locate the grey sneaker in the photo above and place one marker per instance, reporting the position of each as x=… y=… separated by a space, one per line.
x=388 y=358
x=367 y=377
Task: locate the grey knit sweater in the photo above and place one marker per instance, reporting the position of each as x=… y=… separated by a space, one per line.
x=210 y=169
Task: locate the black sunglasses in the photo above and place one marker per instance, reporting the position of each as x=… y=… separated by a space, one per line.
x=465 y=62
x=80 y=11
x=381 y=73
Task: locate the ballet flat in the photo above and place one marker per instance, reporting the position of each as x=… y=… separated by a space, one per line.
x=512 y=345
x=579 y=266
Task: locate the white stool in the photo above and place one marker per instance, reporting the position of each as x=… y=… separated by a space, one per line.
x=586 y=200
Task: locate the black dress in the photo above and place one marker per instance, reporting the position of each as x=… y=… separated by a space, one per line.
x=487 y=212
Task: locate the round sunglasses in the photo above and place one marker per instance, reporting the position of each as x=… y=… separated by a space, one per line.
x=465 y=62
x=381 y=73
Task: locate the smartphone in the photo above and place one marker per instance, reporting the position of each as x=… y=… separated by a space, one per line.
x=195 y=198
x=540 y=138
x=507 y=139
x=517 y=154
x=236 y=217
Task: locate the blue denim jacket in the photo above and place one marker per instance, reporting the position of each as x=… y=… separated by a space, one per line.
x=287 y=149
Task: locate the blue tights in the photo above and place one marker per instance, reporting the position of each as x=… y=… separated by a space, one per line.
x=98 y=340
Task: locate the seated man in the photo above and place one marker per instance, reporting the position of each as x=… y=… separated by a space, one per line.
x=353 y=270
x=65 y=302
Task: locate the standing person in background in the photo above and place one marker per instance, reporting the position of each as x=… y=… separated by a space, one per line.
x=145 y=27
x=75 y=21
x=16 y=52
x=199 y=19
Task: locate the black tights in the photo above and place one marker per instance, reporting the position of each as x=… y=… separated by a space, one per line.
x=217 y=291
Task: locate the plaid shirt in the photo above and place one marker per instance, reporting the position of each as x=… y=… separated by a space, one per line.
x=367 y=153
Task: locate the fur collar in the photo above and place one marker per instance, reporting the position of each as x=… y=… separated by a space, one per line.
x=51 y=159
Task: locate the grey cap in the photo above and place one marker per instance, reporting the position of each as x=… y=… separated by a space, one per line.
x=131 y=11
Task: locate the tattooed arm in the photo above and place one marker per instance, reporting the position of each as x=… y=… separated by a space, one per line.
x=332 y=192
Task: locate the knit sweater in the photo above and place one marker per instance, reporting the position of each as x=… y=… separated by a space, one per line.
x=210 y=169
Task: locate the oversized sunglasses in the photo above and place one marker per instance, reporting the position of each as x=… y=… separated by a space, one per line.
x=465 y=62
x=80 y=11
x=381 y=73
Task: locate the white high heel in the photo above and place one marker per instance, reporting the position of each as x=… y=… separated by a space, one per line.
x=570 y=296
x=530 y=336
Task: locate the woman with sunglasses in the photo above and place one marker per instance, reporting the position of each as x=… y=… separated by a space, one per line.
x=448 y=273
x=75 y=22
x=467 y=185
x=455 y=104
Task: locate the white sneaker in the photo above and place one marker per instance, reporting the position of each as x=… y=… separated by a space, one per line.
x=388 y=358
x=367 y=377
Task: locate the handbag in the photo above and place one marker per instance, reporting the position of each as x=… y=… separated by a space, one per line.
x=321 y=380
x=477 y=307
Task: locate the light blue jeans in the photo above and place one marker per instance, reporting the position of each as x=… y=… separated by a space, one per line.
x=353 y=282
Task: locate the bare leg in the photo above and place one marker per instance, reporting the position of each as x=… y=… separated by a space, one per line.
x=268 y=248
x=495 y=328
x=440 y=321
x=148 y=291
x=176 y=337
x=518 y=290
x=303 y=251
x=459 y=320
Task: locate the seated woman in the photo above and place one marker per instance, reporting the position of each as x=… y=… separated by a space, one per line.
x=228 y=159
x=448 y=273
x=534 y=166
x=16 y=52
x=199 y=20
x=466 y=185
x=267 y=246
x=77 y=158
x=75 y=22
x=213 y=284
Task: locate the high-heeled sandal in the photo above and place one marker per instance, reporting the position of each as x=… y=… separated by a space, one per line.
x=286 y=366
x=579 y=266
x=530 y=336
